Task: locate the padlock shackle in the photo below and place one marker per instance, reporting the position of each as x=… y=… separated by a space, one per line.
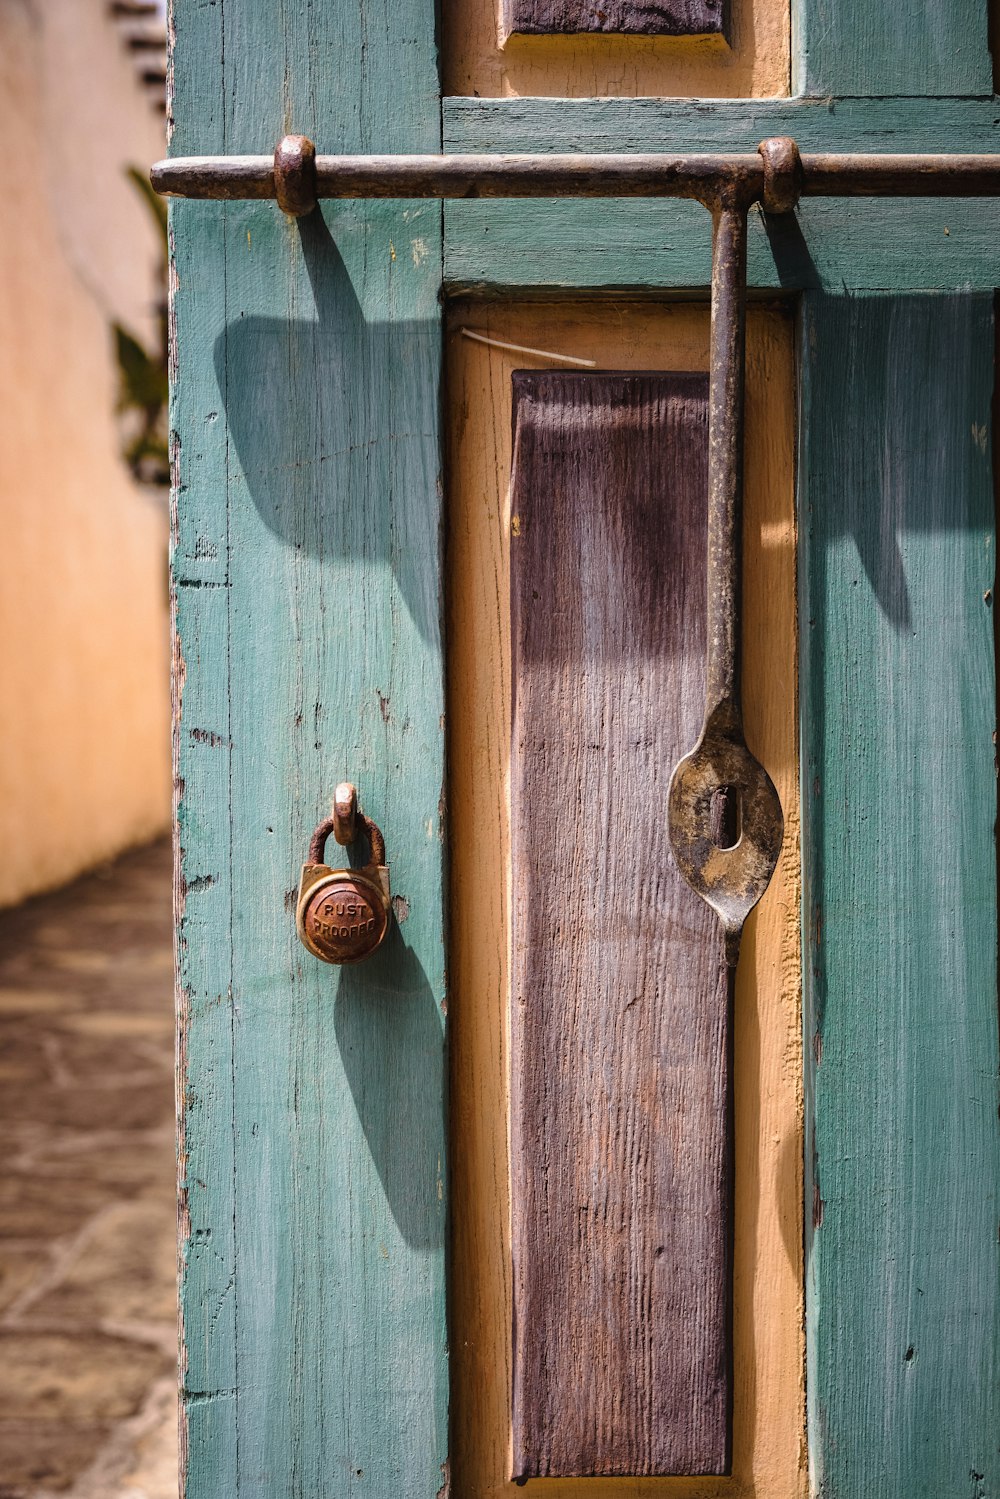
x=376 y=843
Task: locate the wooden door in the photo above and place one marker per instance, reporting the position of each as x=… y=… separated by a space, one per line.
x=347 y=1328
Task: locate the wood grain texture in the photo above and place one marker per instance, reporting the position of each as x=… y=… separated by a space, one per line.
x=484 y=57
x=905 y=244
x=630 y=17
x=847 y=48
x=621 y=1171
x=306 y=580
x=912 y=246
x=862 y=245
x=768 y=1424
x=625 y=124
x=899 y=713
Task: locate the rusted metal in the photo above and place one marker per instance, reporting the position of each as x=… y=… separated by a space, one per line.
x=342 y=915
x=461 y=176
x=364 y=826
x=782 y=174
x=730 y=877
x=295 y=175
x=345 y=813
x=927 y=176
x=704 y=177
x=724 y=817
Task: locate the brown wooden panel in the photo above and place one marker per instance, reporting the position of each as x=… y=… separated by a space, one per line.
x=620 y=1138
x=625 y=17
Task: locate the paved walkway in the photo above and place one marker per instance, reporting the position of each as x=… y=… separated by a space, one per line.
x=87 y=1229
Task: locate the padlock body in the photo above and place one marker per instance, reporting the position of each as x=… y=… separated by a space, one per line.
x=342 y=914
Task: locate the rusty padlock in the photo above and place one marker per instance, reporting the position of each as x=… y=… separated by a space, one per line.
x=343 y=914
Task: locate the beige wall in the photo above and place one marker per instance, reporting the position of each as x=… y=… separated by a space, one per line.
x=84 y=746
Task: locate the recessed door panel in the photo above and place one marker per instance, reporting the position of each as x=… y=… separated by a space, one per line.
x=767 y=1391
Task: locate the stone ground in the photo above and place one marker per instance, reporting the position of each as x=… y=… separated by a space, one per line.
x=87 y=1224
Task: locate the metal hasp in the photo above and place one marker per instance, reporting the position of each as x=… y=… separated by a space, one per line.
x=724 y=816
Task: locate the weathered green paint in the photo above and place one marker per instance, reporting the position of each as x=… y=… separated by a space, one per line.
x=899 y=791
x=865 y=245
x=855 y=47
x=306 y=571
x=906 y=124
x=907 y=244
x=308 y=605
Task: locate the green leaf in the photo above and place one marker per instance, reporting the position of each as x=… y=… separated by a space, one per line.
x=156 y=205
x=143 y=379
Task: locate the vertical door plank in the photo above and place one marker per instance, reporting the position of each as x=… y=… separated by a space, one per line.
x=898 y=699
x=851 y=48
x=306 y=573
x=620 y=1149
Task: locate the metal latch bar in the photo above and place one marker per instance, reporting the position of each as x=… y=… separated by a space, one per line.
x=645 y=175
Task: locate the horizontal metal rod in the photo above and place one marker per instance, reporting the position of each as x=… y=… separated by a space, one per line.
x=705 y=178
x=467 y=176
x=860 y=176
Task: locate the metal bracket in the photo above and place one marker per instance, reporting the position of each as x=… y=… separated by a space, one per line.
x=724 y=815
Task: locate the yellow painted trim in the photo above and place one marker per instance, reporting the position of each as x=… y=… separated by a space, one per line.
x=756 y=63
x=769 y=1449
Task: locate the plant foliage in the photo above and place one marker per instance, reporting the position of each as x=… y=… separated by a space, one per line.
x=142 y=371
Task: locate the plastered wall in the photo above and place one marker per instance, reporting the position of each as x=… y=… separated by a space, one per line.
x=84 y=748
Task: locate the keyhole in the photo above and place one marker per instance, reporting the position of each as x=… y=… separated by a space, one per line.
x=725 y=820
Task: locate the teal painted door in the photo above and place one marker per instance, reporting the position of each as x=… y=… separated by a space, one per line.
x=308 y=607
x=308 y=514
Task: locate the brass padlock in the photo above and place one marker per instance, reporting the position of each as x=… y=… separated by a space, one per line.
x=343 y=914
